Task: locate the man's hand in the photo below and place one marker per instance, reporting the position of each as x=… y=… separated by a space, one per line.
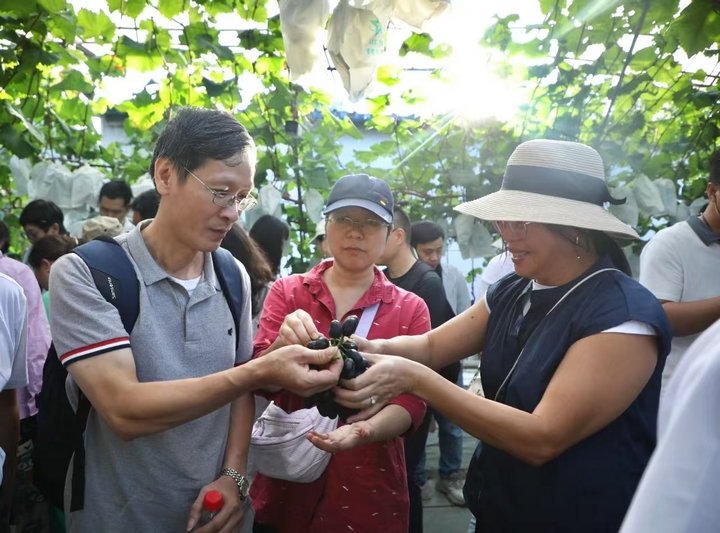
x=230 y=515
x=344 y=438
x=298 y=328
x=301 y=370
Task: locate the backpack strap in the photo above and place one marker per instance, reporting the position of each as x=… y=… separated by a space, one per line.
x=115 y=278
x=228 y=273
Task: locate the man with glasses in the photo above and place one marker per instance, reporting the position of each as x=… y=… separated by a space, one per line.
x=680 y=265
x=172 y=404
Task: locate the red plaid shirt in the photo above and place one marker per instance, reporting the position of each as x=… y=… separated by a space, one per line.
x=361 y=490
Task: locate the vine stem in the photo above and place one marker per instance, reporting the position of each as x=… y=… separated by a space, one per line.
x=616 y=92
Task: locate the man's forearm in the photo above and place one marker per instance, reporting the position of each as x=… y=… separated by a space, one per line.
x=9 y=438
x=242 y=417
x=689 y=318
x=135 y=409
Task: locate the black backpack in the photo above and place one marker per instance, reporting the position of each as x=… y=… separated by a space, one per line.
x=60 y=429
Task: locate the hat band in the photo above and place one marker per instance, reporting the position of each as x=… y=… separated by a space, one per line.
x=558 y=183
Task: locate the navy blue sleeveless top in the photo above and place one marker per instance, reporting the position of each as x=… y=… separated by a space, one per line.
x=588 y=488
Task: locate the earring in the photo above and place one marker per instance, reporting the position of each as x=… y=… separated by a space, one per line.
x=577 y=243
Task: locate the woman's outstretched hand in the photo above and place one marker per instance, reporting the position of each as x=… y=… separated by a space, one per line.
x=386 y=378
x=347 y=437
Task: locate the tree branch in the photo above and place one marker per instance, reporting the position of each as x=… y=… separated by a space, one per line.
x=616 y=92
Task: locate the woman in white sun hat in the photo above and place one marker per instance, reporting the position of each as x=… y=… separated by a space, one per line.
x=573 y=350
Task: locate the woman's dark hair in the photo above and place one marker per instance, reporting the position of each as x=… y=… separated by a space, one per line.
x=43 y=214
x=601 y=242
x=245 y=250
x=196 y=135
x=424 y=232
x=715 y=168
x=4 y=238
x=51 y=248
x=606 y=245
x=270 y=234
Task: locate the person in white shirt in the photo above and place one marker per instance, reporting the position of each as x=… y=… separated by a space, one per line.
x=678 y=491
x=13 y=375
x=679 y=265
x=497 y=268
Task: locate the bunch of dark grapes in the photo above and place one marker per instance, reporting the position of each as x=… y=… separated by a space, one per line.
x=353 y=365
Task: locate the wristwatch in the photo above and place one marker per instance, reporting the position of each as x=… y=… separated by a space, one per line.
x=242 y=482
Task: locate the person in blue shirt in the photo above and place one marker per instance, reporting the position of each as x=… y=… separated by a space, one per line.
x=572 y=355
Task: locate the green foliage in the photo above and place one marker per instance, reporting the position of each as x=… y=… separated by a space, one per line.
x=605 y=73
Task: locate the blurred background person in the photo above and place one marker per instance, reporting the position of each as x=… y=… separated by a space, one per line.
x=320 y=242
x=272 y=235
x=246 y=250
x=114 y=201
x=42 y=256
x=13 y=376
x=28 y=506
x=145 y=206
x=40 y=218
x=107 y=226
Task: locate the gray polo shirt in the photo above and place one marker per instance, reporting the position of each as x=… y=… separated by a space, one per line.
x=150 y=483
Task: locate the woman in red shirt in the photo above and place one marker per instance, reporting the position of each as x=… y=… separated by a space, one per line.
x=364 y=487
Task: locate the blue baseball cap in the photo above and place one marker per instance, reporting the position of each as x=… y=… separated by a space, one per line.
x=361 y=190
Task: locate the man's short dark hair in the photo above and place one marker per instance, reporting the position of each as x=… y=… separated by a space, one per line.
x=715 y=168
x=43 y=214
x=402 y=221
x=146 y=204
x=196 y=135
x=4 y=238
x=115 y=189
x=426 y=231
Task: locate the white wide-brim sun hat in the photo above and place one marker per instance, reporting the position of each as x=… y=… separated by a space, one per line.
x=553 y=182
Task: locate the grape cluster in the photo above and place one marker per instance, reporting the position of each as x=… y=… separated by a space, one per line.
x=353 y=365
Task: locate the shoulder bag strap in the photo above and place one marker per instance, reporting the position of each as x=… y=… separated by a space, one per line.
x=366 y=320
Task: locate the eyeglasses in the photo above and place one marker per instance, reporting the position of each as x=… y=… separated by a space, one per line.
x=513 y=229
x=366 y=227
x=224 y=199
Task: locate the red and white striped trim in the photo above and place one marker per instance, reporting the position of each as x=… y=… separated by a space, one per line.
x=95 y=349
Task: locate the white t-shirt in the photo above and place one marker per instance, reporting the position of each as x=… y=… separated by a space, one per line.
x=677 y=266
x=498 y=267
x=13 y=340
x=188 y=284
x=679 y=490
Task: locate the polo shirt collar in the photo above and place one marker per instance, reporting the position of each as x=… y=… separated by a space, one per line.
x=380 y=290
x=703 y=231
x=150 y=271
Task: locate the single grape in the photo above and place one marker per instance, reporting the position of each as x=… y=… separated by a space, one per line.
x=336 y=330
x=350 y=325
x=322 y=343
x=348 y=369
x=355 y=356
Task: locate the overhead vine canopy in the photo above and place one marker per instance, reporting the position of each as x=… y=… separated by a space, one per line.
x=638 y=80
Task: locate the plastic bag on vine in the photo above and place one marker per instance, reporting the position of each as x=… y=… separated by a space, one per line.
x=356 y=42
x=302 y=23
x=416 y=13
